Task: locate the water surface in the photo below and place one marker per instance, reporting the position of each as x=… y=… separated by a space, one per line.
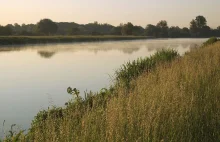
x=34 y=77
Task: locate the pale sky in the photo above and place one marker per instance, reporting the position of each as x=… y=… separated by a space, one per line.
x=139 y=12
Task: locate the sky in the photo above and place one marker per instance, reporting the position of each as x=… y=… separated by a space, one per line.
x=139 y=12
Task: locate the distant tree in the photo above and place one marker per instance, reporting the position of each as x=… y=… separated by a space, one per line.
x=200 y=21
x=138 y=31
x=47 y=27
x=75 y=31
x=193 y=28
x=65 y=28
x=116 y=30
x=16 y=25
x=11 y=28
x=98 y=28
x=17 y=28
x=95 y=33
x=218 y=31
x=5 y=30
x=185 y=32
x=163 y=28
x=205 y=31
x=199 y=28
x=174 y=32
x=127 y=29
x=96 y=23
x=151 y=30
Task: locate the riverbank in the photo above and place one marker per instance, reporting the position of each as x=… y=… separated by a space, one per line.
x=18 y=40
x=162 y=98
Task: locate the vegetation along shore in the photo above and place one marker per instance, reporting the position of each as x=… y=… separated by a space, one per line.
x=165 y=97
x=16 y=40
x=198 y=28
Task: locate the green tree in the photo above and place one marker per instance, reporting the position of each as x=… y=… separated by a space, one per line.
x=116 y=30
x=199 y=28
x=174 y=32
x=138 y=31
x=47 y=27
x=205 y=31
x=185 y=32
x=201 y=21
x=5 y=30
x=163 y=28
x=127 y=29
x=218 y=31
x=17 y=28
x=74 y=31
x=151 y=30
x=193 y=28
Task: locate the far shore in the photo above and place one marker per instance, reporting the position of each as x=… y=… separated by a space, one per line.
x=20 y=40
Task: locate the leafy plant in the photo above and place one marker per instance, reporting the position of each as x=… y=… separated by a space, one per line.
x=210 y=41
x=15 y=135
x=73 y=91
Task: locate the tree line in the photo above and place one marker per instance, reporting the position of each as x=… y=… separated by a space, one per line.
x=198 y=28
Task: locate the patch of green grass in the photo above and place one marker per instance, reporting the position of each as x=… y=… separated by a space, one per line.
x=132 y=70
x=210 y=41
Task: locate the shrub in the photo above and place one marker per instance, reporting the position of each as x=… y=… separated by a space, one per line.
x=210 y=41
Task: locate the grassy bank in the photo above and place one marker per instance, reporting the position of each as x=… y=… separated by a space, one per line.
x=14 y=40
x=173 y=99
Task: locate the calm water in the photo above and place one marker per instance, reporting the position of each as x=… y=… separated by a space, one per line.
x=35 y=77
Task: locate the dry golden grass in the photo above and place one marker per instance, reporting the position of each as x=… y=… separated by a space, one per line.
x=177 y=102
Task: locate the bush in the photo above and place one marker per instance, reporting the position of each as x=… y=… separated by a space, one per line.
x=210 y=41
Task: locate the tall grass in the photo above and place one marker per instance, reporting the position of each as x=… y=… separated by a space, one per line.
x=132 y=70
x=176 y=101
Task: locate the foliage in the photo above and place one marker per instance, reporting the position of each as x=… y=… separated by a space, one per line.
x=73 y=91
x=47 y=27
x=9 y=40
x=198 y=28
x=138 y=30
x=163 y=28
x=174 y=32
x=210 y=41
x=5 y=30
x=200 y=21
x=116 y=30
x=127 y=29
x=151 y=30
x=14 y=135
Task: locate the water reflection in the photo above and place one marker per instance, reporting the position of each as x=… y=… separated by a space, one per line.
x=46 y=54
x=128 y=47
